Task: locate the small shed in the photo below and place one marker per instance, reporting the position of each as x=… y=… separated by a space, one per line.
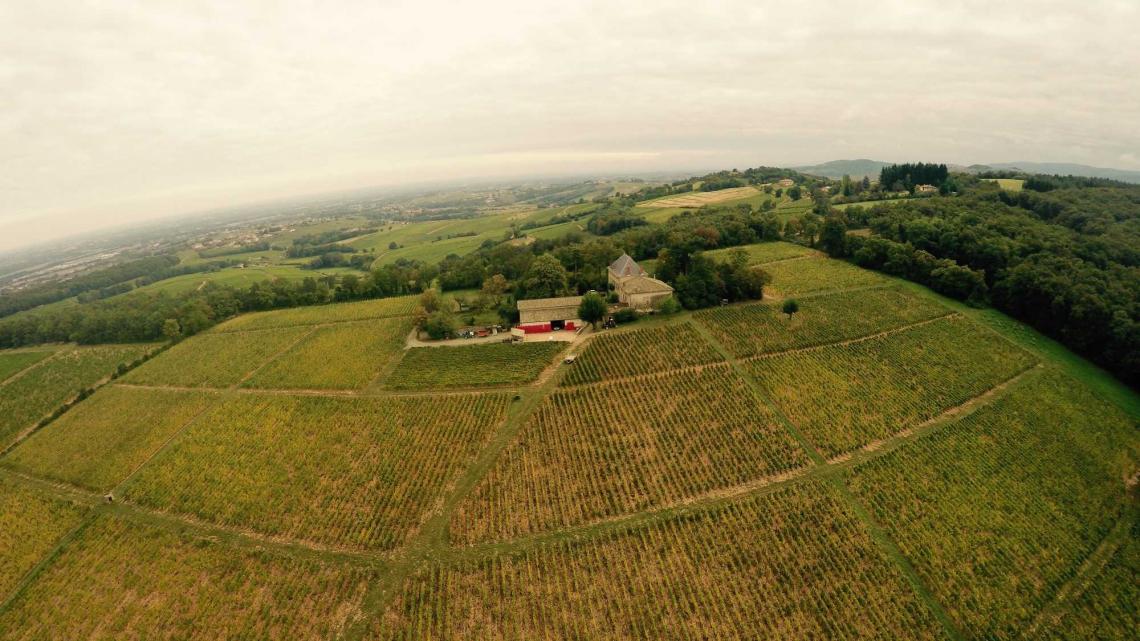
x=555 y=311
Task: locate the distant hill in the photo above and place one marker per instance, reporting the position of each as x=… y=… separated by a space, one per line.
x=1065 y=169
x=837 y=168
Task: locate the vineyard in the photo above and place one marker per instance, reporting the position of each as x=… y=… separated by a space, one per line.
x=124 y=581
x=761 y=253
x=472 y=365
x=603 y=450
x=845 y=396
x=795 y=277
x=363 y=479
x=101 y=441
x=642 y=351
x=792 y=565
x=748 y=330
x=321 y=314
x=997 y=510
x=30 y=525
x=214 y=360
x=35 y=394
x=361 y=349
x=1107 y=608
x=14 y=361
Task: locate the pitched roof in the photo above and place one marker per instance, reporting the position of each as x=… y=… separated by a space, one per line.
x=548 y=303
x=645 y=285
x=626 y=266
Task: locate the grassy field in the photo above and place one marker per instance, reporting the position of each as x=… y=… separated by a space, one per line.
x=761 y=328
x=700 y=198
x=104 y=439
x=362 y=480
x=845 y=396
x=215 y=360
x=319 y=314
x=1009 y=184
x=32 y=396
x=241 y=277
x=761 y=253
x=793 y=565
x=641 y=351
x=472 y=365
x=797 y=277
x=14 y=361
x=999 y=509
x=363 y=348
x=30 y=526
x=125 y=581
x=603 y=450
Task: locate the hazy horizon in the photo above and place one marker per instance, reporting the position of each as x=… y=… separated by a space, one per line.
x=131 y=111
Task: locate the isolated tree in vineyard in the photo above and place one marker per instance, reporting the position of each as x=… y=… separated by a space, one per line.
x=791 y=307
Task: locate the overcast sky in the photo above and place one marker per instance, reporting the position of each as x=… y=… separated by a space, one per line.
x=113 y=112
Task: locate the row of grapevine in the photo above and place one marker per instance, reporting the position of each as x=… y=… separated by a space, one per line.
x=14 y=361
x=319 y=314
x=214 y=360
x=761 y=328
x=355 y=473
x=341 y=356
x=796 y=564
x=36 y=393
x=103 y=439
x=472 y=365
x=602 y=450
x=30 y=525
x=845 y=396
x=998 y=510
x=642 y=351
x=1109 y=607
x=124 y=581
x=795 y=277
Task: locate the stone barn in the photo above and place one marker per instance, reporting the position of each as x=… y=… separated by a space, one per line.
x=555 y=311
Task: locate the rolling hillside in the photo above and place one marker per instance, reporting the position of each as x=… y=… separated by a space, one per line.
x=884 y=464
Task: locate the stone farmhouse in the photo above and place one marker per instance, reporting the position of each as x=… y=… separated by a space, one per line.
x=634 y=286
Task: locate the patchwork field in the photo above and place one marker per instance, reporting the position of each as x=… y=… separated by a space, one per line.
x=845 y=396
x=748 y=330
x=700 y=198
x=320 y=314
x=215 y=360
x=345 y=472
x=125 y=581
x=361 y=349
x=32 y=396
x=794 y=565
x=603 y=450
x=794 y=277
x=30 y=526
x=640 y=351
x=472 y=365
x=998 y=510
x=104 y=439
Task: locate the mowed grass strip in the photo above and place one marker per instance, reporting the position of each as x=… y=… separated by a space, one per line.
x=120 y=580
x=341 y=356
x=214 y=360
x=761 y=328
x=997 y=510
x=605 y=450
x=760 y=253
x=794 y=564
x=795 y=277
x=350 y=473
x=34 y=395
x=103 y=439
x=30 y=526
x=15 y=361
x=472 y=365
x=320 y=314
x=642 y=351
x=845 y=396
